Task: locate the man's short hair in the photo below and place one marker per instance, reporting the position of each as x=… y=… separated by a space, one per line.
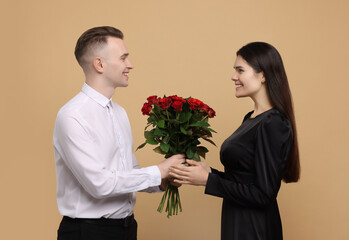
x=93 y=38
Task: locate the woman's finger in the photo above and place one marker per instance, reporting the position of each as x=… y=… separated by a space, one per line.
x=177 y=175
x=192 y=162
x=180 y=168
x=180 y=181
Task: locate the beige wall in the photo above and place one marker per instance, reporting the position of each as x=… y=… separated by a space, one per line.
x=183 y=47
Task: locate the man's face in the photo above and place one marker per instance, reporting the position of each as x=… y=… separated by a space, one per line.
x=116 y=63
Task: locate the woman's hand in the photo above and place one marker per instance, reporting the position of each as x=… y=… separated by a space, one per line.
x=195 y=174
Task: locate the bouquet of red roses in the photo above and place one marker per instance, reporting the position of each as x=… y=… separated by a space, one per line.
x=177 y=125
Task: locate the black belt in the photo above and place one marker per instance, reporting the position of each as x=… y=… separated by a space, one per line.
x=102 y=221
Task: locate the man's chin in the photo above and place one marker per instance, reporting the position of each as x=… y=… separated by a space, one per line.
x=121 y=85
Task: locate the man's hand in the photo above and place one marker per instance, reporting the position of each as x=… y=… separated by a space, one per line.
x=195 y=174
x=163 y=185
x=166 y=181
x=167 y=163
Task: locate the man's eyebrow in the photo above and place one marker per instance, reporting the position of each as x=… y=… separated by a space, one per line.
x=124 y=55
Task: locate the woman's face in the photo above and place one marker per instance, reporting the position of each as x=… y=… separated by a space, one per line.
x=248 y=83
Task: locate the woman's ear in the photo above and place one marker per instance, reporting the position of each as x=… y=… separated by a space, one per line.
x=98 y=64
x=262 y=77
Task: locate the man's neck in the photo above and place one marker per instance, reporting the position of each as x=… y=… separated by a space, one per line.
x=106 y=91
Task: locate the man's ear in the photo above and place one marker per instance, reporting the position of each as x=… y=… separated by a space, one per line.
x=98 y=64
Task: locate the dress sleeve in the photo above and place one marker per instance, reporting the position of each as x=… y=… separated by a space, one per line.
x=215 y=171
x=273 y=140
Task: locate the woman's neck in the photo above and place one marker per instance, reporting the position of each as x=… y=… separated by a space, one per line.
x=261 y=105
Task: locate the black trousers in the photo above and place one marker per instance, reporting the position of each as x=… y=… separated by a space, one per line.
x=97 y=229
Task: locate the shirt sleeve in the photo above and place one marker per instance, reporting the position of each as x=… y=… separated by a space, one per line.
x=273 y=141
x=77 y=150
x=149 y=189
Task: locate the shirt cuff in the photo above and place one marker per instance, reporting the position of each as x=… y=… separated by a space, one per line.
x=155 y=175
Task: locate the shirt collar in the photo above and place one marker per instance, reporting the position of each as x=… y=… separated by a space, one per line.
x=96 y=96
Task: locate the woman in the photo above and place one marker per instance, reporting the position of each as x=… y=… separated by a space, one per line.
x=258 y=155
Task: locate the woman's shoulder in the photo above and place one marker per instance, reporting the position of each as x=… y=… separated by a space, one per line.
x=247 y=116
x=275 y=115
x=274 y=120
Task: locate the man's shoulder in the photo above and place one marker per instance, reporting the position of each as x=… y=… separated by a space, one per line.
x=118 y=107
x=73 y=106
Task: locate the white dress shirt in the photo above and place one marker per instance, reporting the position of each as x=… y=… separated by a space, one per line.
x=97 y=172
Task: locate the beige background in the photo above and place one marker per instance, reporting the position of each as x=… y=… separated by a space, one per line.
x=184 y=47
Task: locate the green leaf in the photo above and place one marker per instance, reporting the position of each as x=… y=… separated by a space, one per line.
x=151 y=141
x=166 y=139
x=209 y=140
x=149 y=124
x=159 y=132
x=161 y=124
x=157 y=110
x=200 y=124
x=152 y=117
x=168 y=155
x=196 y=157
x=185 y=117
x=149 y=134
x=158 y=150
x=141 y=146
x=164 y=147
x=183 y=130
x=190 y=153
x=211 y=130
x=204 y=131
x=174 y=121
x=202 y=149
x=202 y=154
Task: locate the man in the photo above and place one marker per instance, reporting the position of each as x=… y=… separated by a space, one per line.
x=97 y=172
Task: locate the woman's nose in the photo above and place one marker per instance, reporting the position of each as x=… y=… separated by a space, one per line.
x=234 y=77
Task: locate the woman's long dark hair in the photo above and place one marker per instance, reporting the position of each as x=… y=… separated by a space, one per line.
x=263 y=57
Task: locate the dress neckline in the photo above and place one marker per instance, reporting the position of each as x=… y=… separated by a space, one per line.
x=249 y=117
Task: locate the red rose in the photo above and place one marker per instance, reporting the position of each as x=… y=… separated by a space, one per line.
x=146 y=109
x=176 y=98
x=206 y=108
x=211 y=113
x=195 y=103
x=177 y=105
x=153 y=99
x=164 y=103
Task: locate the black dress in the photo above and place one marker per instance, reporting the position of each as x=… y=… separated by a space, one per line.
x=254 y=158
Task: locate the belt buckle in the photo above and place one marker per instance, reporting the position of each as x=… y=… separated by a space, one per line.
x=128 y=221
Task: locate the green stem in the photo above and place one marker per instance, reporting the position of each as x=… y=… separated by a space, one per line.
x=172 y=200
x=205 y=117
x=157 y=117
x=168 y=117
